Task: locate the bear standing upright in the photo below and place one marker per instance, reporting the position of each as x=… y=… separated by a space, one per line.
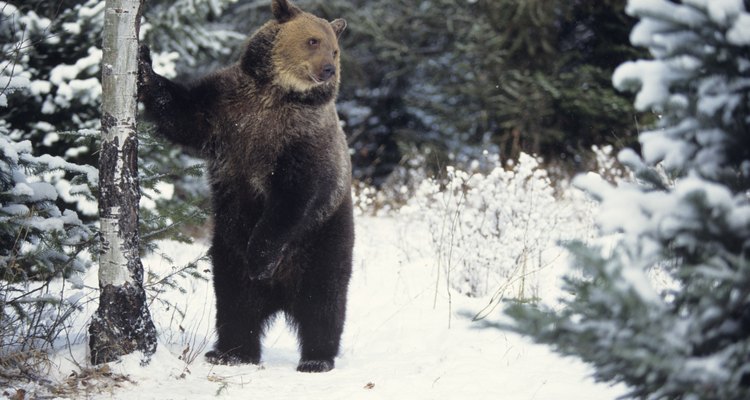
x=280 y=177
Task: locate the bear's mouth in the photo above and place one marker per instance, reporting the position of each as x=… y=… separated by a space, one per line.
x=315 y=79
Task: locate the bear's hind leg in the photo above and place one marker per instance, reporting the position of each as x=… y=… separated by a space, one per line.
x=319 y=337
x=243 y=309
x=318 y=313
x=319 y=305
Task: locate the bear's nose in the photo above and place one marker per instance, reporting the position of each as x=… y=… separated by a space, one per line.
x=328 y=71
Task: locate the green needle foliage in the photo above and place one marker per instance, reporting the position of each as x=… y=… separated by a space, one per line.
x=667 y=310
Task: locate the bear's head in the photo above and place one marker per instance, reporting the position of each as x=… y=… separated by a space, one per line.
x=297 y=51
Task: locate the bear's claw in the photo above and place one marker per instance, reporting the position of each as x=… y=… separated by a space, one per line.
x=267 y=273
x=315 y=366
x=268 y=262
x=145 y=71
x=228 y=358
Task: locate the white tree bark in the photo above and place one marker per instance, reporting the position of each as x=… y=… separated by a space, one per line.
x=122 y=323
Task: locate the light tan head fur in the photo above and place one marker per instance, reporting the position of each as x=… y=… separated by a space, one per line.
x=306 y=53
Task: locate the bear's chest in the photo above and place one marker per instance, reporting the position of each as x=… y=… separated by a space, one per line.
x=249 y=144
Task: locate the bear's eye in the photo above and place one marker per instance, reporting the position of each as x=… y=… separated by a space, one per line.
x=335 y=53
x=312 y=42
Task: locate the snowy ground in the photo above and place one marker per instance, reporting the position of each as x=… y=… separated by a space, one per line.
x=404 y=339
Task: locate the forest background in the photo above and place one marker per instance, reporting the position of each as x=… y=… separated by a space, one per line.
x=425 y=85
x=456 y=91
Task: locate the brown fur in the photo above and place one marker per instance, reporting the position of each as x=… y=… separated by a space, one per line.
x=280 y=177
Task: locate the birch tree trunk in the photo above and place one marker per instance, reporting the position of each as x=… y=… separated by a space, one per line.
x=122 y=323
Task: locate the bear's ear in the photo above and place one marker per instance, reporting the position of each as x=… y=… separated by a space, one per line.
x=284 y=11
x=338 y=26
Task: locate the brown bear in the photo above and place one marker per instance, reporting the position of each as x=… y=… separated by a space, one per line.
x=280 y=177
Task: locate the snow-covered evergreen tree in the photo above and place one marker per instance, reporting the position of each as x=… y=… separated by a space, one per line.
x=58 y=51
x=186 y=29
x=35 y=230
x=37 y=239
x=667 y=310
x=39 y=242
x=50 y=99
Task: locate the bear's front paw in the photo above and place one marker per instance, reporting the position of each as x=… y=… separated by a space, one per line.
x=262 y=268
x=315 y=365
x=145 y=68
x=262 y=263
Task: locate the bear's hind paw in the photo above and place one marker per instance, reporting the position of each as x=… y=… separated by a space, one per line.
x=219 y=358
x=315 y=366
